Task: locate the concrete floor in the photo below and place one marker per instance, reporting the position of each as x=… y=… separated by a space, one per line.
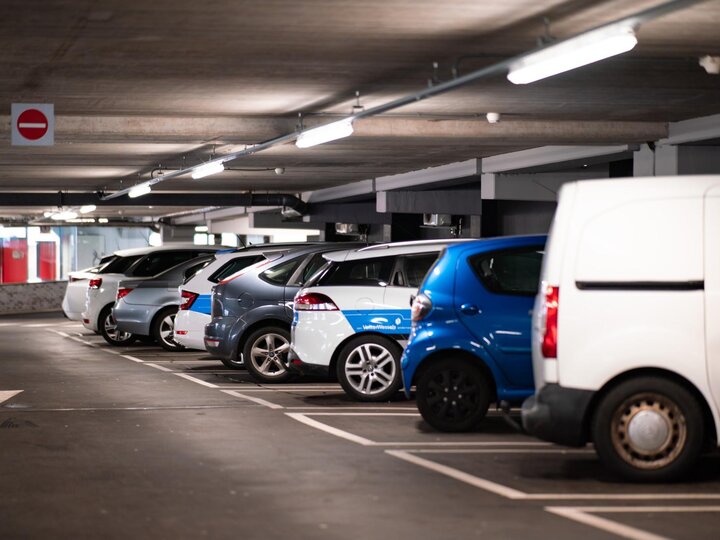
x=138 y=442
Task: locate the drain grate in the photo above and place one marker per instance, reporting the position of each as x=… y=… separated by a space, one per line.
x=13 y=423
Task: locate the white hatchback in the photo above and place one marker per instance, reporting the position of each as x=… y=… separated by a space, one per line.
x=353 y=317
x=195 y=294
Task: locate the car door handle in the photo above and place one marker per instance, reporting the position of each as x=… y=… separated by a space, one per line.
x=469 y=309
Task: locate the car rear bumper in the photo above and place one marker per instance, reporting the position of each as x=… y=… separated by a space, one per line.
x=316 y=335
x=558 y=414
x=218 y=340
x=190 y=329
x=134 y=318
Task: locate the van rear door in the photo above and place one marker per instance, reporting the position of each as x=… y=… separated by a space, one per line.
x=712 y=290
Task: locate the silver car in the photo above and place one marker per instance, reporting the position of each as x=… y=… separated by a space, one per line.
x=148 y=307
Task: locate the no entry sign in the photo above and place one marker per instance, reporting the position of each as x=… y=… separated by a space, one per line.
x=33 y=124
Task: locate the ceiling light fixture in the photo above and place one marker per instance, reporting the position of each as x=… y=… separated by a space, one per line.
x=328 y=132
x=139 y=190
x=88 y=208
x=64 y=215
x=213 y=167
x=103 y=220
x=573 y=53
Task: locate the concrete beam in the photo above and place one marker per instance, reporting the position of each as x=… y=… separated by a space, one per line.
x=353 y=190
x=459 y=202
x=275 y=220
x=695 y=129
x=528 y=186
x=432 y=176
x=364 y=213
x=551 y=155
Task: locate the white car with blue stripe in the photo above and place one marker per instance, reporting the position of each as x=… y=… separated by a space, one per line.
x=195 y=294
x=353 y=317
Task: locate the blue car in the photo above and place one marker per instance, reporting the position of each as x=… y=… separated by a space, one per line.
x=470 y=340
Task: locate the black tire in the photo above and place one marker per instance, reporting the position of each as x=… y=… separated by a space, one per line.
x=265 y=354
x=108 y=329
x=368 y=368
x=233 y=363
x=146 y=340
x=453 y=394
x=667 y=421
x=163 y=329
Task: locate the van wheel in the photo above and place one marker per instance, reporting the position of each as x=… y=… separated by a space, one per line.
x=368 y=368
x=109 y=330
x=649 y=429
x=163 y=329
x=265 y=354
x=453 y=395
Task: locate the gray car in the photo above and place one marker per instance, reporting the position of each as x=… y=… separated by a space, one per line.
x=148 y=307
x=252 y=313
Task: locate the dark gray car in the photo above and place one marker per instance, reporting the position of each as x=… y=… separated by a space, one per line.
x=252 y=313
x=148 y=307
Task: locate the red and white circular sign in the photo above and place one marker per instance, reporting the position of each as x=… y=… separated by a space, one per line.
x=32 y=124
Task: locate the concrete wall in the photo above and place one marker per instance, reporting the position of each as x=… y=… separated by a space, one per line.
x=31 y=297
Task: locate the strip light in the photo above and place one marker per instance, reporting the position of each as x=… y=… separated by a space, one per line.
x=207 y=169
x=573 y=53
x=326 y=133
x=139 y=191
x=88 y=208
x=64 y=215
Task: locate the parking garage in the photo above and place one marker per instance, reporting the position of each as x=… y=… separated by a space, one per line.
x=356 y=145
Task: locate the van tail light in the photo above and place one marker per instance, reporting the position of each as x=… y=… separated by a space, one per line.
x=94 y=283
x=187 y=299
x=550 y=336
x=314 y=302
x=420 y=307
x=123 y=292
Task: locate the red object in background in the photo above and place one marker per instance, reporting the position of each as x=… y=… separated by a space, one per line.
x=14 y=261
x=47 y=271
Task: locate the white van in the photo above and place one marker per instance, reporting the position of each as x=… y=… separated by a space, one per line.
x=626 y=328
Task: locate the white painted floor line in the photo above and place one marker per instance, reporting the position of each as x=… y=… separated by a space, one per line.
x=481 y=483
x=259 y=401
x=479 y=443
x=362 y=414
x=8 y=394
x=133 y=358
x=515 y=494
x=38 y=325
x=607 y=525
x=197 y=381
x=87 y=343
x=63 y=334
x=356 y=408
x=8 y=324
x=161 y=368
x=300 y=417
x=276 y=390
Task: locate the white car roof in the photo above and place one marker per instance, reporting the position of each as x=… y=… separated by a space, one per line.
x=394 y=248
x=166 y=247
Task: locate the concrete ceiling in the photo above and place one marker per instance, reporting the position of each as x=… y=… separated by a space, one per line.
x=141 y=86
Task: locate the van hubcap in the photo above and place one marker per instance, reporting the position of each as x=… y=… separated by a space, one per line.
x=648 y=431
x=370 y=368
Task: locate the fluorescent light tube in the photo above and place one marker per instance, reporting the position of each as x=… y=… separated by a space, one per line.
x=64 y=215
x=139 y=191
x=88 y=208
x=201 y=228
x=103 y=220
x=573 y=53
x=326 y=133
x=207 y=169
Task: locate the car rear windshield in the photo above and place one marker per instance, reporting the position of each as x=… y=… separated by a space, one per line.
x=119 y=265
x=375 y=271
x=154 y=263
x=510 y=272
x=235 y=265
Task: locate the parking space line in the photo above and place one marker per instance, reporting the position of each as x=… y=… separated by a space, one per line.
x=300 y=417
x=259 y=401
x=357 y=407
x=515 y=494
x=133 y=358
x=8 y=394
x=161 y=368
x=584 y=515
x=193 y=379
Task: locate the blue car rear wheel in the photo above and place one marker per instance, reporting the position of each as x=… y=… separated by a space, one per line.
x=453 y=394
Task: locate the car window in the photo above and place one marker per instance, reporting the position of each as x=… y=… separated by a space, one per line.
x=235 y=265
x=375 y=271
x=119 y=265
x=314 y=264
x=159 y=262
x=415 y=268
x=510 y=272
x=278 y=275
x=194 y=269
